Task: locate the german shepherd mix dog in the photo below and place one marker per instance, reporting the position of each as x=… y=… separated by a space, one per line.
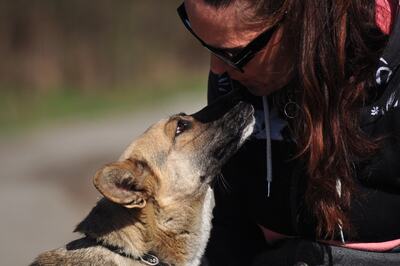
x=157 y=200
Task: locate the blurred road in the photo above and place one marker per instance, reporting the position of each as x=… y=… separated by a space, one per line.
x=45 y=177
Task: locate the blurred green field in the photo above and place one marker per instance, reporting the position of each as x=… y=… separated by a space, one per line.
x=21 y=111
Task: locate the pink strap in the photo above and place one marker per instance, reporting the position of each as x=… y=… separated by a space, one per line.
x=371 y=246
x=271 y=237
x=385 y=10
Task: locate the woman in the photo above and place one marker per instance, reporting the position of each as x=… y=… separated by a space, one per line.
x=319 y=183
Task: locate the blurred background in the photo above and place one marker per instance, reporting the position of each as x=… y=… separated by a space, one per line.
x=78 y=81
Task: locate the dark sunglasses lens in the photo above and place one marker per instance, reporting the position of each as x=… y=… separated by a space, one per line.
x=227 y=59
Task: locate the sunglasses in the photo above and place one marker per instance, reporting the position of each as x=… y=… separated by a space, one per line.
x=236 y=60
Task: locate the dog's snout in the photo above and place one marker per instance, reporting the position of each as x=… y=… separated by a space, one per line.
x=245 y=107
x=239 y=96
x=217 y=110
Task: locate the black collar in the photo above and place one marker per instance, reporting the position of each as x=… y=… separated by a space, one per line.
x=147 y=258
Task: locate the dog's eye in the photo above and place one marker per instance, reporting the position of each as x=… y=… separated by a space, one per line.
x=181 y=126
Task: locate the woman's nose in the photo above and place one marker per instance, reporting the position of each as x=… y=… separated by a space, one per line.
x=217 y=66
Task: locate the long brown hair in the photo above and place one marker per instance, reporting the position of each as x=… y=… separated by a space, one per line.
x=337 y=48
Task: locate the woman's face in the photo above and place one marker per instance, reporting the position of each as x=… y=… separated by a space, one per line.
x=269 y=70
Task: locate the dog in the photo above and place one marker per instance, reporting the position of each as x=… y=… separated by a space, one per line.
x=157 y=204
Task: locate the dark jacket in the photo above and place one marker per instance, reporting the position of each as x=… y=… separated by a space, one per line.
x=242 y=204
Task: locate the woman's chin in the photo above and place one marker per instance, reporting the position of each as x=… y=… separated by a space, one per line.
x=256 y=91
x=261 y=89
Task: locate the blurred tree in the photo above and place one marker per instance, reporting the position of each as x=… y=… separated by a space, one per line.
x=50 y=45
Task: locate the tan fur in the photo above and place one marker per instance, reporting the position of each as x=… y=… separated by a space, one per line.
x=154 y=200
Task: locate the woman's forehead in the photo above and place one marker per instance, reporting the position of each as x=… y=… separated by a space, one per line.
x=220 y=27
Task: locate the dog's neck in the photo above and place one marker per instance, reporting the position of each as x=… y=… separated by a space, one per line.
x=165 y=233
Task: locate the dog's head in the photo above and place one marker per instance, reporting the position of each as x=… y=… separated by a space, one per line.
x=176 y=158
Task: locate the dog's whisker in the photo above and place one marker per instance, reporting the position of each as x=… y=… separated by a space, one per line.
x=222 y=182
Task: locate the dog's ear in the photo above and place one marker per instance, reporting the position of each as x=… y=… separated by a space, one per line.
x=123 y=183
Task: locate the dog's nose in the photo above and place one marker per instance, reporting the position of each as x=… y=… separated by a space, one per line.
x=222 y=105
